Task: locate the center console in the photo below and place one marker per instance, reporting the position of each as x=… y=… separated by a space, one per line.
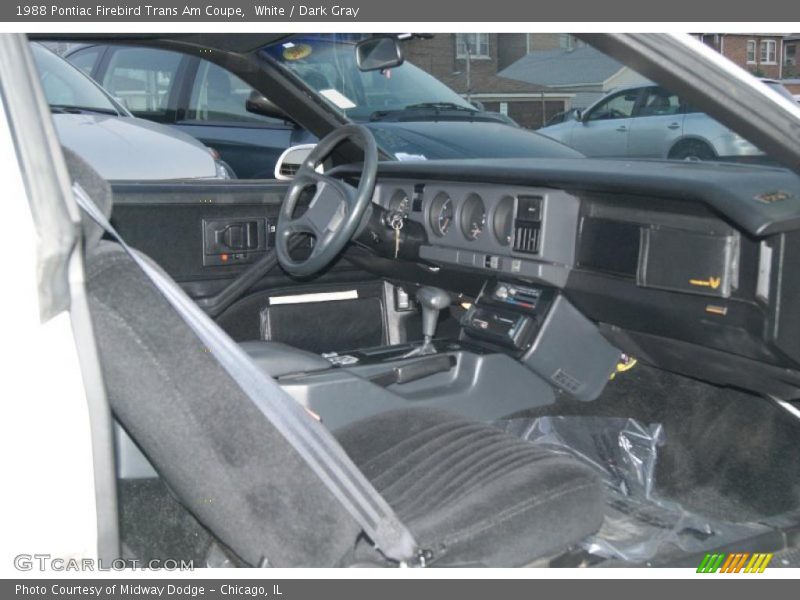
x=518 y=344
x=539 y=327
x=508 y=315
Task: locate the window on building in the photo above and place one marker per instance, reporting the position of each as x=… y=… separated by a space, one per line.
x=751 y=52
x=477 y=43
x=790 y=54
x=768 y=52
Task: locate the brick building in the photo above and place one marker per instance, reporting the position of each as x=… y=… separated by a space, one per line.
x=445 y=57
x=763 y=54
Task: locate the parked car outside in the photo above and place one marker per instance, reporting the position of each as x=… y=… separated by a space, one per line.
x=411 y=113
x=651 y=122
x=118 y=145
x=776 y=85
x=562 y=116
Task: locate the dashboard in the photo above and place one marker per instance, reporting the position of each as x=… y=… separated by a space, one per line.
x=694 y=267
x=523 y=231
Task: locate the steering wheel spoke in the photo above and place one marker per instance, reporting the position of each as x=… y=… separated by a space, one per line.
x=302 y=225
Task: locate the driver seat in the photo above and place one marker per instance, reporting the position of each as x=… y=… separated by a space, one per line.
x=469 y=493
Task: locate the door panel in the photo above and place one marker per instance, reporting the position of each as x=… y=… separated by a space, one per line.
x=604 y=138
x=170 y=222
x=604 y=129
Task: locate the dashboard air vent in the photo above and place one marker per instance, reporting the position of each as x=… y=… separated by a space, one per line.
x=526 y=237
x=528 y=224
x=289 y=169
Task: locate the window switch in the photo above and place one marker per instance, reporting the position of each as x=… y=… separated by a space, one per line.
x=402 y=301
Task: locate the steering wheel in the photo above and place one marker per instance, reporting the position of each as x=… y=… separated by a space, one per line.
x=335 y=211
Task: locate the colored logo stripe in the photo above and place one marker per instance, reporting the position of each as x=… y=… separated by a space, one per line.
x=734 y=562
x=710 y=563
x=758 y=563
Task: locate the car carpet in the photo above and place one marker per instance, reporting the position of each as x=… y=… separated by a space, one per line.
x=728 y=454
x=155 y=526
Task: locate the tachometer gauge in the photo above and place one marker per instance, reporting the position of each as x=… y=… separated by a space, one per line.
x=441 y=214
x=473 y=217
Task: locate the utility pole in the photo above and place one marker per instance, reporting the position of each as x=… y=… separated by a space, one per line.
x=469 y=74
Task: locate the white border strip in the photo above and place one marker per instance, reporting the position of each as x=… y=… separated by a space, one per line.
x=306 y=298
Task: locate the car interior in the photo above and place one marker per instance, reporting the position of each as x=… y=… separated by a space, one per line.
x=535 y=362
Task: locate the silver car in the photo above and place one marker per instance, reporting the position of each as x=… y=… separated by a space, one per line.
x=651 y=122
x=103 y=132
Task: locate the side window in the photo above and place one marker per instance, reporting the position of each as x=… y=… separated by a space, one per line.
x=219 y=96
x=658 y=102
x=86 y=59
x=142 y=79
x=619 y=106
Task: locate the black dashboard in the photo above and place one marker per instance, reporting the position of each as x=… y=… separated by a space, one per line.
x=691 y=266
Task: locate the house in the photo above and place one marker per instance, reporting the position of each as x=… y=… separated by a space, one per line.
x=763 y=54
x=578 y=69
x=469 y=63
x=513 y=46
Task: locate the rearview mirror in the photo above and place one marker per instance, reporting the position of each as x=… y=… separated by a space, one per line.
x=259 y=104
x=378 y=53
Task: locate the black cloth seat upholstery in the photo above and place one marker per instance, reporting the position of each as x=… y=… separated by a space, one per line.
x=468 y=491
x=471 y=493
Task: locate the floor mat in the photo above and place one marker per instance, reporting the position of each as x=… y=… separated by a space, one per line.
x=638 y=523
x=730 y=455
x=155 y=526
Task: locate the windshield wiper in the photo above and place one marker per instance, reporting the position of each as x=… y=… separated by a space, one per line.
x=441 y=106
x=434 y=108
x=77 y=110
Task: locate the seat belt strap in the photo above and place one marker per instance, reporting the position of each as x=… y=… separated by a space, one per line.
x=312 y=441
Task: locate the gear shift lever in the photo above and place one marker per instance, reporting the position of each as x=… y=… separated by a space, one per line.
x=432 y=300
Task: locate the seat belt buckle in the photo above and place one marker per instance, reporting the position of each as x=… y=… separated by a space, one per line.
x=421 y=560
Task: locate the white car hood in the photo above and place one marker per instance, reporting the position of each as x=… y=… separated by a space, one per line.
x=131 y=148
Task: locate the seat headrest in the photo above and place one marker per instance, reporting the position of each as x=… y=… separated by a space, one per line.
x=98 y=190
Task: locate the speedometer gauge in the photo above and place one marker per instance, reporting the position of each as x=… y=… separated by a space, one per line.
x=441 y=214
x=473 y=217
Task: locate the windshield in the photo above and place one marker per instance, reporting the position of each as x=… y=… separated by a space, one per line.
x=520 y=95
x=66 y=88
x=327 y=64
